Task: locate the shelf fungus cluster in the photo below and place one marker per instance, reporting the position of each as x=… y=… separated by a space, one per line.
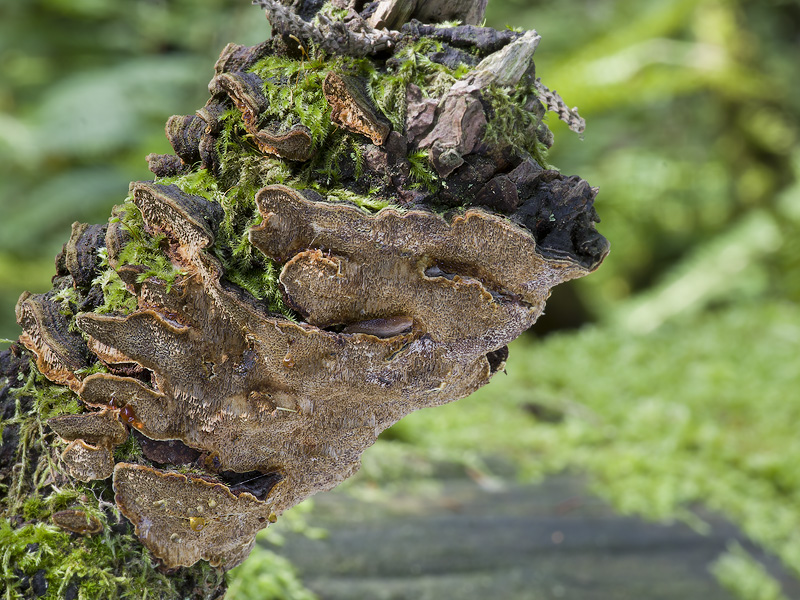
x=244 y=398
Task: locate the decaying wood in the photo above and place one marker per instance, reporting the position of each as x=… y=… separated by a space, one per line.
x=392 y=14
x=396 y=310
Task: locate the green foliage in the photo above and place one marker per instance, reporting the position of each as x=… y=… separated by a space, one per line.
x=745 y=577
x=266 y=576
x=682 y=148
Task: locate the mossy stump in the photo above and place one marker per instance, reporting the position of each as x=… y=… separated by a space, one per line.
x=353 y=227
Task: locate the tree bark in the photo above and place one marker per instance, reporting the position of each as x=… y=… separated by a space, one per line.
x=353 y=227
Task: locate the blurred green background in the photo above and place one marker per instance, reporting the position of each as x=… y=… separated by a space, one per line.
x=669 y=377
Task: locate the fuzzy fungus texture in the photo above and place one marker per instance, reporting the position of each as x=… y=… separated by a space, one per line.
x=352 y=228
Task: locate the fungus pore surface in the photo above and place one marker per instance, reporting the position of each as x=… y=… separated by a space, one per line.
x=353 y=227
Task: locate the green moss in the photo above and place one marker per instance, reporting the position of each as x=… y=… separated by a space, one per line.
x=369 y=203
x=243 y=265
x=107 y=565
x=357 y=156
x=116 y=297
x=32 y=508
x=421 y=171
x=49 y=399
x=411 y=65
x=128 y=451
x=240 y=159
x=324 y=171
x=66 y=298
x=33 y=465
x=293 y=89
x=143 y=248
x=510 y=123
x=97 y=367
x=333 y=13
x=62 y=499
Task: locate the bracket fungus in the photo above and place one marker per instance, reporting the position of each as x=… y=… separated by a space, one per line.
x=349 y=230
x=77 y=521
x=92 y=437
x=187 y=518
x=352 y=109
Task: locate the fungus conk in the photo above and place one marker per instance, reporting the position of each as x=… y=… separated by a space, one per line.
x=353 y=227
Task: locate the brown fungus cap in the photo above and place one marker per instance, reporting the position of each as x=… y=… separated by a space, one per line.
x=244 y=90
x=92 y=437
x=498 y=253
x=77 y=521
x=183 y=519
x=86 y=462
x=45 y=332
x=97 y=428
x=352 y=109
x=294 y=143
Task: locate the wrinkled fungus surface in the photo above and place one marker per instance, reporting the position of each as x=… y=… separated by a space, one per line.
x=77 y=521
x=256 y=320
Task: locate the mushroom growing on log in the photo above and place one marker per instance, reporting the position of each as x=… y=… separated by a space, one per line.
x=354 y=226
